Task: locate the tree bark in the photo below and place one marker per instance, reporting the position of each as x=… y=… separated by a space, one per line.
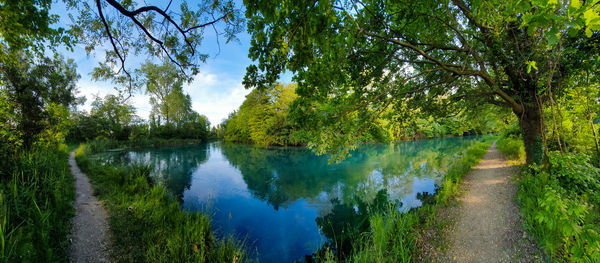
x=531 y=124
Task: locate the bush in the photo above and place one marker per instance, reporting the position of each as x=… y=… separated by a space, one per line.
x=562 y=207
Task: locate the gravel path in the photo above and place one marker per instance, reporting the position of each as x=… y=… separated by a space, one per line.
x=488 y=222
x=91 y=235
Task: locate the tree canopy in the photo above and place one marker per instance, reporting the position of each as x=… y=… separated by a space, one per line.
x=173 y=32
x=360 y=57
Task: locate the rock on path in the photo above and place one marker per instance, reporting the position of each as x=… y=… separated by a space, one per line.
x=488 y=222
x=91 y=235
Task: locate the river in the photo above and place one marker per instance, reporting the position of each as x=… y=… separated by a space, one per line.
x=281 y=200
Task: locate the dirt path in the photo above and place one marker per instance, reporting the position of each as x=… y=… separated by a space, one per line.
x=488 y=223
x=91 y=235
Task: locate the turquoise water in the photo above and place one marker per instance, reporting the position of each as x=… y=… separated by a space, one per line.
x=281 y=198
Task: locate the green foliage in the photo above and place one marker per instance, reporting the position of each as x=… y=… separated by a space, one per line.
x=148 y=223
x=562 y=207
x=114 y=119
x=269 y=117
x=26 y=25
x=133 y=28
x=512 y=148
x=32 y=92
x=354 y=59
x=262 y=118
x=36 y=206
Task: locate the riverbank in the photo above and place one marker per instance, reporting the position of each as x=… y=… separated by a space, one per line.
x=148 y=224
x=406 y=237
x=115 y=145
x=387 y=230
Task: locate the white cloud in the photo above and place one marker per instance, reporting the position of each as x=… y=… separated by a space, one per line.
x=216 y=95
x=91 y=89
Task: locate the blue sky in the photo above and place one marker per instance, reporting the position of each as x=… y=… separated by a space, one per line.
x=216 y=91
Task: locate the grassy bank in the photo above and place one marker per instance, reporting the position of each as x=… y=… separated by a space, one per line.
x=148 y=224
x=394 y=236
x=36 y=206
x=561 y=206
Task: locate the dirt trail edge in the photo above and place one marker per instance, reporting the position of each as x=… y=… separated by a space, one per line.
x=488 y=222
x=91 y=234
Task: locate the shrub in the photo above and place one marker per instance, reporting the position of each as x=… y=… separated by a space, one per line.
x=561 y=208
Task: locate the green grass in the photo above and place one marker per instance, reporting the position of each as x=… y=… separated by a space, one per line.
x=36 y=206
x=513 y=148
x=394 y=236
x=148 y=224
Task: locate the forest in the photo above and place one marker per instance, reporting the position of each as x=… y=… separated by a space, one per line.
x=520 y=76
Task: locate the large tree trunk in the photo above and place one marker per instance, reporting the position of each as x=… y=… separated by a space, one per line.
x=531 y=124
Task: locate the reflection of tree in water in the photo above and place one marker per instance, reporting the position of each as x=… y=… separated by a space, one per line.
x=282 y=175
x=347 y=222
x=173 y=165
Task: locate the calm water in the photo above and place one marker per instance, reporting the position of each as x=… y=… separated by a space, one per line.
x=278 y=198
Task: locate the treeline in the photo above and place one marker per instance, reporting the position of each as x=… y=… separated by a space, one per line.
x=172 y=116
x=265 y=118
x=112 y=118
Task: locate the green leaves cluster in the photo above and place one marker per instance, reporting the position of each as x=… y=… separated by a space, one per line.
x=562 y=207
x=167 y=30
x=263 y=118
x=26 y=26
x=32 y=93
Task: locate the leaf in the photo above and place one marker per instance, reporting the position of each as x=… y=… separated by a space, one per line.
x=531 y=64
x=552 y=37
x=588 y=32
x=575 y=4
x=590 y=15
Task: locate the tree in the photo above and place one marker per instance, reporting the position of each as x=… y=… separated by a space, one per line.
x=356 y=58
x=164 y=83
x=116 y=115
x=134 y=27
x=262 y=118
x=31 y=89
x=25 y=26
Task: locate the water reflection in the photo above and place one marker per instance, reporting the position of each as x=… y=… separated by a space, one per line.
x=283 y=198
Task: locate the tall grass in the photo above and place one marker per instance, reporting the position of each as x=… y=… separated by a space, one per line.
x=394 y=235
x=512 y=147
x=36 y=205
x=148 y=224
